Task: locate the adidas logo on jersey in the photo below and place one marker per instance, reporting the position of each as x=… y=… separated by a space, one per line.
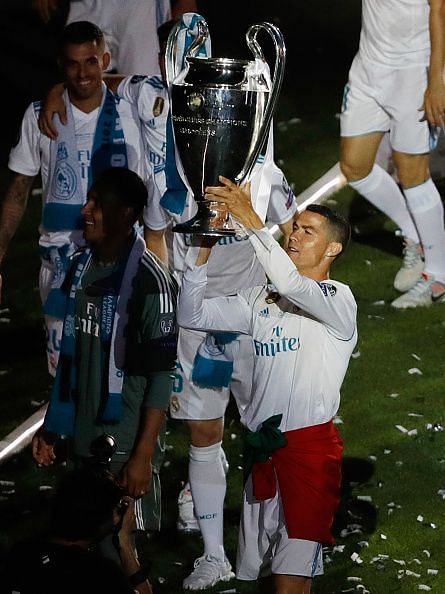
x=264 y=313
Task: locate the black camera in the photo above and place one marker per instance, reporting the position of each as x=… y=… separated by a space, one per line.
x=102 y=449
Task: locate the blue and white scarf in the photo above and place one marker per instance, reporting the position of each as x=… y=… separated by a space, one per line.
x=175 y=197
x=60 y=416
x=64 y=195
x=213 y=364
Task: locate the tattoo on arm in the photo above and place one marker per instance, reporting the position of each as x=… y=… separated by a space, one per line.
x=12 y=208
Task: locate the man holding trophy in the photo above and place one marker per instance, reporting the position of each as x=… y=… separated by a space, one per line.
x=303 y=329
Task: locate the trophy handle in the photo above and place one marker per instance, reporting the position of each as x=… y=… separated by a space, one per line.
x=171 y=63
x=280 y=62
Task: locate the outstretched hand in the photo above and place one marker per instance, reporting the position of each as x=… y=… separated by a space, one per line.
x=236 y=200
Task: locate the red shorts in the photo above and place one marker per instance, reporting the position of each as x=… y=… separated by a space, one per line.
x=308 y=471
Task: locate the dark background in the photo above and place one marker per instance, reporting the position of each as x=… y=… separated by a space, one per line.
x=321 y=39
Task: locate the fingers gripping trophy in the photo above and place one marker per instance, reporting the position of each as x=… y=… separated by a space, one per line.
x=221 y=112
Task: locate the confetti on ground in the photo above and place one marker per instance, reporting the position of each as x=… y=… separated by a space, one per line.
x=383 y=537
x=399 y=561
x=373 y=458
x=4 y=483
x=411 y=414
x=37 y=403
x=419 y=518
x=233 y=436
x=424 y=587
x=353 y=578
x=412 y=432
x=379 y=302
x=386 y=451
x=4 y=371
x=161 y=580
x=416 y=357
x=414 y=371
x=426 y=553
x=363 y=544
x=402 y=428
x=293 y=121
x=432 y=571
x=356 y=355
x=338 y=420
x=394 y=395
x=45 y=488
x=356 y=558
x=368 y=262
x=231 y=591
x=365 y=498
x=410 y=573
x=166 y=464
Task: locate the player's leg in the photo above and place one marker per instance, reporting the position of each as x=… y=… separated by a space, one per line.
x=412 y=139
x=426 y=207
x=363 y=124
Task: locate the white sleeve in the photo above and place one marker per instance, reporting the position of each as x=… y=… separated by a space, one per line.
x=25 y=157
x=155 y=217
x=282 y=204
x=229 y=314
x=329 y=302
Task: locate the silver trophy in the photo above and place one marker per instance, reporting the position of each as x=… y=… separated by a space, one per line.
x=221 y=112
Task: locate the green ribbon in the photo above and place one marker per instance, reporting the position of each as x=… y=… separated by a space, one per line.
x=259 y=445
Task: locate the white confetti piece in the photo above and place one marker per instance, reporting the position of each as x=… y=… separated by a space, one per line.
x=338 y=420
x=294 y=121
x=365 y=498
x=416 y=357
x=166 y=464
x=373 y=458
x=338 y=548
x=354 y=579
x=383 y=537
x=394 y=395
x=399 y=462
x=379 y=302
x=45 y=488
x=368 y=262
x=419 y=518
x=371 y=317
x=399 y=561
x=8 y=492
x=402 y=428
x=5 y=321
x=239 y=467
x=414 y=371
x=363 y=544
x=356 y=355
x=412 y=432
x=426 y=553
x=433 y=526
x=432 y=571
x=233 y=436
x=356 y=558
x=386 y=452
x=4 y=371
x=424 y=587
x=441 y=492
x=4 y=483
x=161 y=580
x=411 y=414
x=416 y=561
x=36 y=403
x=231 y=591
x=412 y=573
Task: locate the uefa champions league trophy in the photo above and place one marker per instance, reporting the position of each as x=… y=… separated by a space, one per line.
x=221 y=111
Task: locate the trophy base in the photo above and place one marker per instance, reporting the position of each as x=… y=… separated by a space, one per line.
x=209 y=222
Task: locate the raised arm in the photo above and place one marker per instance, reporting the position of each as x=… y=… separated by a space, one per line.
x=434 y=99
x=12 y=209
x=322 y=300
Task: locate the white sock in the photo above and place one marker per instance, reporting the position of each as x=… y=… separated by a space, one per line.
x=208 y=485
x=426 y=207
x=381 y=190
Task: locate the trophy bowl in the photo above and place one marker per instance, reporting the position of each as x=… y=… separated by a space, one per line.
x=221 y=110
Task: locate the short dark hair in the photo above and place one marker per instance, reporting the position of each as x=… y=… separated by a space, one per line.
x=80 y=32
x=123 y=187
x=84 y=503
x=339 y=227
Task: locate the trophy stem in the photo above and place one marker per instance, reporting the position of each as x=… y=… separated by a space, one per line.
x=210 y=220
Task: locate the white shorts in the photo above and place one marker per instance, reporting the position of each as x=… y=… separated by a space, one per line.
x=378 y=99
x=264 y=547
x=53 y=326
x=192 y=402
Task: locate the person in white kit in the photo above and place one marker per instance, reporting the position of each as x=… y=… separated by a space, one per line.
x=100 y=131
x=303 y=331
x=396 y=84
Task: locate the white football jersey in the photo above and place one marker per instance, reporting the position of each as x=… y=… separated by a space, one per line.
x=32 y=154
x=395 y=33
x=302 y=338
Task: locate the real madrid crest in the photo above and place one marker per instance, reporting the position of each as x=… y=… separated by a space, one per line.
x=158 y=106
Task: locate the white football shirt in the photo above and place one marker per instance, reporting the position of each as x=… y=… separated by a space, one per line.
x=302 y=341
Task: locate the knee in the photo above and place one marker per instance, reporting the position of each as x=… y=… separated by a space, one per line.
x=412 y=170
x=352 y=170
x=206 y=433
